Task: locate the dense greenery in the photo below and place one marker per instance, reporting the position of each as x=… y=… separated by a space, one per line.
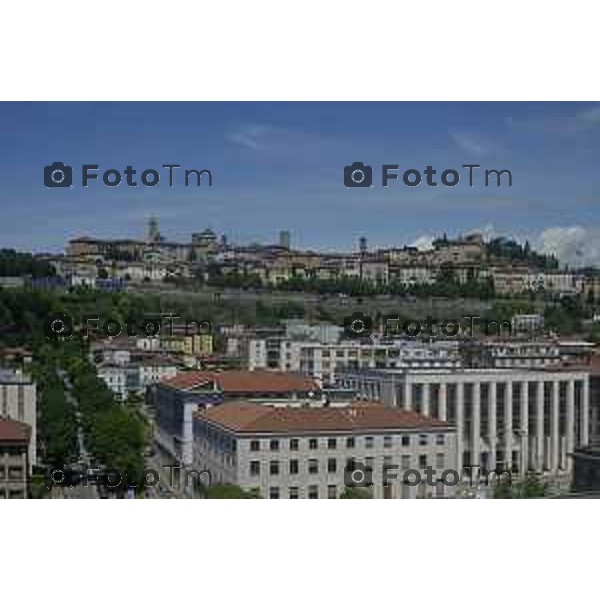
x=530 y=486
x=446 y=285
x=227 y=491
x=269 y=315
x=57 y=421
x=13 y=264
x=511 y=251
x=115 y=434
x=565 y=317
x=355 y=493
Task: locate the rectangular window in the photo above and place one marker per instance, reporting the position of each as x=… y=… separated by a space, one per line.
x=313 y=491
x=293 y=467
x=313 y=466
x=331 y=465
x=274 y=493
x=423 y=439
x=440 y=439
x=406 y=440
x=368 y=442
x=422 y=461
x=274 y=445
x=387 y=441
x=274 y=467
x=293 y=493
x=331 y=492
x=439 y=460
x=405 y=461
x=313 y=443
x=331 y=443
x=255 y=445
x=294 y=444
x=15 y=472
x=350 y=442
x=254 y=467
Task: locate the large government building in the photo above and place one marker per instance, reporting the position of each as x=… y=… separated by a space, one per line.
x=517 y=419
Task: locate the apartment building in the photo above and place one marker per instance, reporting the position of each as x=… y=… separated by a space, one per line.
x=467 y=249
x=527 y=323
x=322 y=360
x=15 y=440
x=18 y=402
x=410 y=275
x=306 y=452
x=509 y=354
x=176 y=399
x=518 y=419
x=510 y=280
x=326 y=333
x=557 y=282
x=135 y=374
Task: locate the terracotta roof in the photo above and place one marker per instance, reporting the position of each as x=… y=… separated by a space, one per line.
x=13 y=431
x=248 y=417
x=245 y=381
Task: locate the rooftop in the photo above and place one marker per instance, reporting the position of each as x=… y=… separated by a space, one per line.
x=248 y=417
x=13 y=431
x=245 y=381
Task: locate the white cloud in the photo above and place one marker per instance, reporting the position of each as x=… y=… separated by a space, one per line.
x=575 y=245
x=423 y=242
x=488 y=232
x=251 y=137
x=471 y=143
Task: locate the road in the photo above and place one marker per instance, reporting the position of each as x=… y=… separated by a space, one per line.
x=84 y=491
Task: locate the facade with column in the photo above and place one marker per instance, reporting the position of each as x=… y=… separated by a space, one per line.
x=517 y=419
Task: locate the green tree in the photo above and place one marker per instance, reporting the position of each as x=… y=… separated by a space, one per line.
x=355 y=493
x=531 y=486
x=227 y=491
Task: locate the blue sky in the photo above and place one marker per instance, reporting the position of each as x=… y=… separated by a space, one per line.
x=280 y=166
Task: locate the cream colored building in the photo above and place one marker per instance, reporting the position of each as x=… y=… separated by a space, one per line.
x=309 y=452
x=14 y=459
x=18 y=402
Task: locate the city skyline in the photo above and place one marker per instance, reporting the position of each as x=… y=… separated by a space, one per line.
x=280 y=166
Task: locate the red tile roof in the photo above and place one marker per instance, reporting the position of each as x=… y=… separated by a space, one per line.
x=249 y=417
x=245 y=381
x=13 y=431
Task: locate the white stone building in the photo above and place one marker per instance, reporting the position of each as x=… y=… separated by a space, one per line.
x=522 y=420
x=302 y=452
x=322 y=360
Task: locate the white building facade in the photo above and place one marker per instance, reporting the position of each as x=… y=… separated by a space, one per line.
x=308 y=452
x=521 y=420
x=322 y=360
